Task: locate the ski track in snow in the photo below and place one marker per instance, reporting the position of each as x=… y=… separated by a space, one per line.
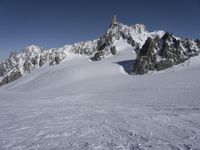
x=81 y=105
x=76 y=123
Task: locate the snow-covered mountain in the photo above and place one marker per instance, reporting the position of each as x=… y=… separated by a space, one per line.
x=163 y=52
x=97 y=105
x=84 y=105
x=137 y=36
x=32 y=57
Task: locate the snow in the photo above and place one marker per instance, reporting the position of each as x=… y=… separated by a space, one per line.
x=122 y=45
x=32 y=50
x=158 y=33
x=81 y=104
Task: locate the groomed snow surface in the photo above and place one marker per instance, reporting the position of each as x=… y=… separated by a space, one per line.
x=84 y=105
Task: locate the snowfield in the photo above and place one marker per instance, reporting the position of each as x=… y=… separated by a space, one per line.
x=84 y=105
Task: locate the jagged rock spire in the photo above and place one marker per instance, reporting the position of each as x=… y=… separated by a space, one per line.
x=13 y=53
x=114 y=21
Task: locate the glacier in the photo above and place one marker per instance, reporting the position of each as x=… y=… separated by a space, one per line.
x=80 y=104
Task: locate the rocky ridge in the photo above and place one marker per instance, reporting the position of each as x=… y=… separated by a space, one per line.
x=163 y=52
x=155 y=51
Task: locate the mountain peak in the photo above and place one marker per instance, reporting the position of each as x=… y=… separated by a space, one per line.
x=140 y=28
x=32 y=49
x=32 y=46
x=114 y=21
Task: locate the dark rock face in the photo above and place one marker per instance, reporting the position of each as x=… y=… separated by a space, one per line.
x=28 y=66
x=162 y=53
x=114 y=21
x=97 y=56
x=130 y=41
x=9 y=64
x=31 y=64
x=56 y=57
x=105 y=41
x=100 y=54
x=198 y=43
x=191 y=46
x=3 y=68
x=146 y=58
x=103 y=53
x=113 y=50
x=43 y=60
x=14 y=75
x=171 y=51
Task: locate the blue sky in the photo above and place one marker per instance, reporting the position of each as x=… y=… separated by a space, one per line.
x=54 y=23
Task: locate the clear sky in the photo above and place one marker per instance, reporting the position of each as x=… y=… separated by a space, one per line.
x=54 y=23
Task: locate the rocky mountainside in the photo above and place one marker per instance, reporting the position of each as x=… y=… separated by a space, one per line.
x=33 y=57
x=135 y=35
x=156 y=51
x=163 y=52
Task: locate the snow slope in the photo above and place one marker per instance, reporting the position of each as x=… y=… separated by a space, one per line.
x=32 y=57
x=81 y=104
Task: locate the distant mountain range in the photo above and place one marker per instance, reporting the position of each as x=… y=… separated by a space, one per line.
x=156 y=50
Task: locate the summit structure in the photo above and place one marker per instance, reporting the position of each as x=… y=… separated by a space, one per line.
x=114 y=21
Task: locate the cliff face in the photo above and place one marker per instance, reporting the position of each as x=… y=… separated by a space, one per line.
x=164 y=52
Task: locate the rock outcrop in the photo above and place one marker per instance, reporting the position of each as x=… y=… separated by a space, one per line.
x=56 y=56
x=134 y=35
x=87 y=48
x=32 y=57
x=162 y=53
x=113 y=50
x=11 y=76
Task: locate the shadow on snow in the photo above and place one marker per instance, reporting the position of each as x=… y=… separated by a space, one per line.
x=127 y=65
